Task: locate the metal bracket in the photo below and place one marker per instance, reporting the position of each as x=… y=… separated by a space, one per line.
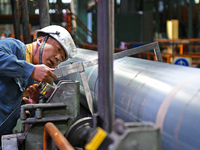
x=10 y=141
x=80 y=67
x=77 y=67
x=147 y=47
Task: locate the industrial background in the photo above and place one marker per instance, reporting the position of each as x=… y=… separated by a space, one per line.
x=137 y=22
x=149 y=100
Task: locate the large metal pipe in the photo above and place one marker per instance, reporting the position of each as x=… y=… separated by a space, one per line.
x=165 y=94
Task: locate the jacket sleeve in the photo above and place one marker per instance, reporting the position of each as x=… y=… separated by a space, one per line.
x=12 y=66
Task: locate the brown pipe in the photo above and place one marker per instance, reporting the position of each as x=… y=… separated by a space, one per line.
x=51 y=131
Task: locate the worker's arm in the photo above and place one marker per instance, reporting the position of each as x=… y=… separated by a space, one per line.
x=13 y=64
x=13 y=67
x=12 y=59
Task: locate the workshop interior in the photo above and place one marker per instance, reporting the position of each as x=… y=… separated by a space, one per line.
x=133 y=84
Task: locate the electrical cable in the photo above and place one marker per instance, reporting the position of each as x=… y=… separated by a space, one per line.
x=10 y=114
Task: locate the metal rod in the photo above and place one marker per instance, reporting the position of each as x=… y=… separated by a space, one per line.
x=170 y=4
x=190 y=19
x=35 y=106
x=179 y=14
x=105 y=55
x=16 y=18
x=25 y=21
x=42 y=105
x=51 y=131
x=198 y=6
x=44 y=13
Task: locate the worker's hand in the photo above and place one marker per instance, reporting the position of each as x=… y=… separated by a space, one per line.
x=42 y=73
x=33 y=93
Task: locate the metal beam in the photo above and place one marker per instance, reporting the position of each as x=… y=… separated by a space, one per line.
x=44 y=13
x=190 y=19
x=25 y=21
x=198 y=20
x=179 y=14
x=105 y=55
x=16 y=18
x=170 y=9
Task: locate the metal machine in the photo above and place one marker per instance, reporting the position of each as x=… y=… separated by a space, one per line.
x=146 y=92
x=61 y=108
x=59 y=115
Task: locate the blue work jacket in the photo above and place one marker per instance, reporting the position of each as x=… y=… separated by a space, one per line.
x=15 y=75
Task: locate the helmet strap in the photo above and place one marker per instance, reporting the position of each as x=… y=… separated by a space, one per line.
x=42 y=48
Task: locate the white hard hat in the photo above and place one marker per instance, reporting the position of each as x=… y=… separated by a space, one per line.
x=62 y=36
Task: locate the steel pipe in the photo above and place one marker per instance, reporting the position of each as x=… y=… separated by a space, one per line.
x=144 y=90
x=51 y=131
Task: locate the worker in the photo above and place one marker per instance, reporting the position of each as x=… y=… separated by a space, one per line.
x=21 y=65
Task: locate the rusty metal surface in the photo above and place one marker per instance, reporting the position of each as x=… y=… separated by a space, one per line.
x=165 y=94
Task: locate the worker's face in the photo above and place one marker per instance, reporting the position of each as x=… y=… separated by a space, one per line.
x=53 y=53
